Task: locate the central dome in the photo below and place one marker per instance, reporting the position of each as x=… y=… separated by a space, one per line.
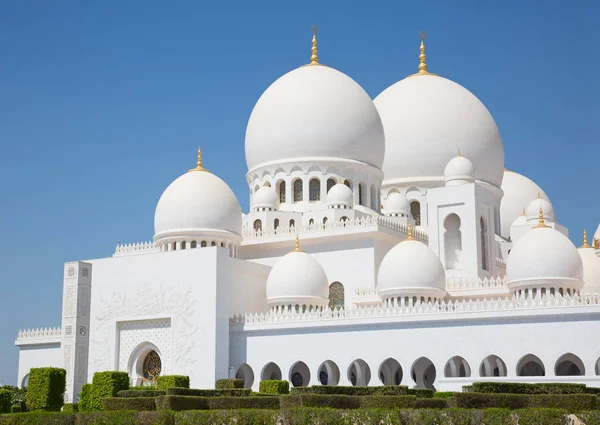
x=427 y=119
x=314 y=112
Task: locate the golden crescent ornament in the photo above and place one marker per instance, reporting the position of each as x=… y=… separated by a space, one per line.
x=422 y=35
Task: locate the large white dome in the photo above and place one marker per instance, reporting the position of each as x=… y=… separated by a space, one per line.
x=314 y=111
x=519 y=191
x=195 y=202
x=409 y=269
x=544 y=257
x=427 y=119
x=297 y=279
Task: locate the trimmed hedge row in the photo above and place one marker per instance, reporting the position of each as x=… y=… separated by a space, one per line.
x=70 y=407
x=522 y=388
x=361 y=391
x=140 y=404
x=306 y=416
x=104 y=384
x=333 y=401
x=433 y=403
x=421 y=392
x=222 y=384
x=571 y=402
x=231 y=392
x=182 y=402
x=46 y=388
x=388 y=402
x=142 y=393
x=274 y=387
x=171 y=381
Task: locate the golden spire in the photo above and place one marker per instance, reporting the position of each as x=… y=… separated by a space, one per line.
x=541 y=220
x=297 y=244
x=199 y=166
x=458 y=153
x=585 y=241
x=409 y=237
x=523 y=213
x=314 y=58
x=539 y=195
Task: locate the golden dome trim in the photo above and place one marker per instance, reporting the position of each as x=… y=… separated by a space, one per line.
x=541 y=223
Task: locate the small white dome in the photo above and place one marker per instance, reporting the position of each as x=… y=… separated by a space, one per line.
x=195 y=202
x=459 y=170
x=410 y=269
x=544 y=257
x=297 y=279
x=519 y=221
x=314 y=112
x=533 y=210
x=396 y=203
x=518 y=193
x=340 y=194
x=266 y=197
x=427 y=119
x=591 y=270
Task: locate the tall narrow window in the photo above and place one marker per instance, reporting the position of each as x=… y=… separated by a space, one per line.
x=452 y=242
x=282 y=192
x=276 y=223
x=311 y=222
x=415 y=210
x=202 y=244
x=183 y=245
x=257 y=225
x=193 y=244
x=330 y=184
x=324 y=220
x=361 y=194
x=336 y=296
x=314 y=190
x=298 y=190
x=484 y=248
x=292 y=223
x=213 y=243
x=373 y=198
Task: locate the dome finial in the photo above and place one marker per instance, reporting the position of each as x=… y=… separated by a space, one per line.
x=199 y=166
x=539 y=195
x=409 y=237
x=524 y=213
x=314 y=58
x=458 y=154
x=422 y=56
x=585 y=241
x=541 y=223
x=297 y=244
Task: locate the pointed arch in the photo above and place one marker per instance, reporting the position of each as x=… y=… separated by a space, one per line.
x=298 y=191
x=415 y=211
x=336 y=296
x=330 y=183
x=282 y=192
x=314 y=190
x=452 y=242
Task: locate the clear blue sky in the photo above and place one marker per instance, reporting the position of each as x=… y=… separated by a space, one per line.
x=103 y=104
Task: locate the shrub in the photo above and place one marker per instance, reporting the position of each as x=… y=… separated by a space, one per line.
x=483 y=400
x=181 y=402
x=388 y=401
x=435 y=416
x=496 y=416
x=140 y=393
x=521 y=388
x=421 y=392
x=590 y=418
x=19 y=395
x=542 y=416
x=359 y=391
x=170 y=381
x=38 y=418
x=143 y=388
x=125 y=418
x=231 y=403
x=335 y=401
x=443 y=394
x=274 y=387
x=104 y=384
x=222 y=384
x=86 y=401
x=572 y=403
x=240 y=417
x=5 y=401
x=432 y=403
x=129 y=403
x=592 y=390
x=70 y=407
x=16 y=409
x=235 y=392
x=46 y=388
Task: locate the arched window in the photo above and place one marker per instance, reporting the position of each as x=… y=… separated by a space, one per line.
x=213 y=243
x=282 y=192
x=314 y=190
x=174 y=246
x=222 y=244
x=373 y=198
x=311 y=222
x=298 y=190
x=530 y=365
x=276 y=223
x=415 y=210
x=324 y=220
x=257 y=225
x=330 y=184
x=484 y=243
x=193 y=244
x=292 y=223
x=361 y=194
x=336 y=295
x=183 y=245
x=202 y=244
x=347 y=183
x=152 y=366
x=453 y=242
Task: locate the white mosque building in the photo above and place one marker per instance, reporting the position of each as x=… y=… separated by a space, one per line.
x=385 y=244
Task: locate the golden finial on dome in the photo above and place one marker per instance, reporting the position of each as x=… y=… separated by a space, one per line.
x=585 y=241
x=422 y=69
x=199 y=166
x=409 y=237
x=523 y=213
x=458 y=154
x=541 y=223
x=539 y=195
x=297 y=244
x=314 y=58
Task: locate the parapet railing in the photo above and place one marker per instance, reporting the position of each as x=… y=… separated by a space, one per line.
x=463 y=284
x=501 y=263
x=420 y=309
x=25 y=334
x=135 y=248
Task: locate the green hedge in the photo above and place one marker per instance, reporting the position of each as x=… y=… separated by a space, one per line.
x=181 y=402
x=222 y=384
x=571 y=402
x=484 y=400
x=421 y=392
x=140 y=393
x=16 y=409
x=519 y=388
x=335 y=401
x=234 y=392
x=70 y=407
x=590 y=418
x=343 y=390
x=140 y=404
x=443 y=394
x=274 y=387
x=238 y=417
x=143 y=388
x=170 y=381
x=5 y=401
x=592 y=390
x=542 y=417
x=432 y=403
x=125 y=418
x=104 y=384
x=388 y=402
x=46 y=389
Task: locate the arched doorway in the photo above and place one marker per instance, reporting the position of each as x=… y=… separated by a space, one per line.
x=457 y=367
x=423 y=373
x=145 y=364
x=270 y=371
x=569 y=365
x=359 y=373
x=390 y=372
x=329 y=373
x=530 y=365
x=246 y=374
x=299 y=374
x=492 y=365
